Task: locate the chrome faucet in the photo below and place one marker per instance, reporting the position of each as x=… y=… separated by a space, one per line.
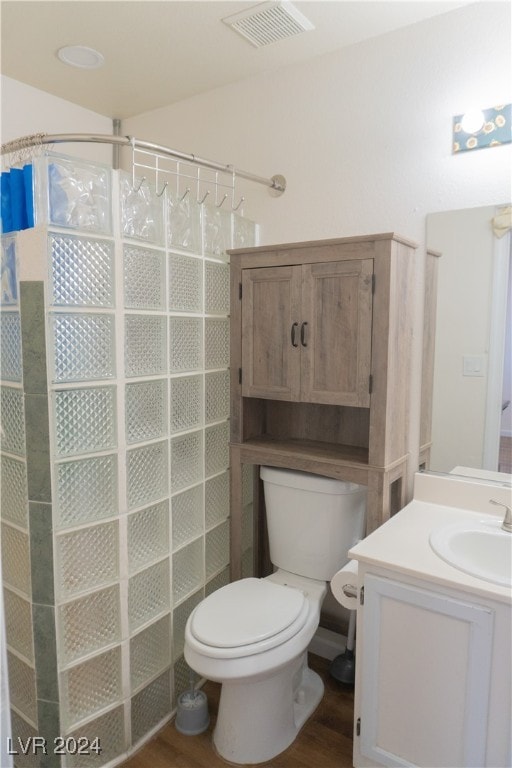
x=507 y=520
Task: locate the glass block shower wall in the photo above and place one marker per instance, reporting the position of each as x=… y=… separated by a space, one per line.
x=115 y=492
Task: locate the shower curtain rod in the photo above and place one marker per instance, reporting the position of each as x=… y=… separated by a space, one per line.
x=276 y=184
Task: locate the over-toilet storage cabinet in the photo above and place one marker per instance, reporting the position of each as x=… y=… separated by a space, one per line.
x=321 y=346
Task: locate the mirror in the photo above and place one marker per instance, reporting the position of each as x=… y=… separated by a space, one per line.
x=471 y=392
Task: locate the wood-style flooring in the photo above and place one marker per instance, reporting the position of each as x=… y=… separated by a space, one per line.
x=325 y=741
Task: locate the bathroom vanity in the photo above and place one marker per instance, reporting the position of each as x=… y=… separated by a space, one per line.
x=433 y=672
x=321 y=351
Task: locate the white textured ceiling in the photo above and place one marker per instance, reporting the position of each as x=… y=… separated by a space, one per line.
x=157 y=53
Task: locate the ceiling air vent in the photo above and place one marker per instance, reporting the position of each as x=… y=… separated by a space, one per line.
x=269 y=22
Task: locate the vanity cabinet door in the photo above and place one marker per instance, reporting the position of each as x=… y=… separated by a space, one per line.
x=271 y=332
x=426 y=662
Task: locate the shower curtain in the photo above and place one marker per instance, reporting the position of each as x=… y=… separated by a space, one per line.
x=17 y=200
x=114 y=481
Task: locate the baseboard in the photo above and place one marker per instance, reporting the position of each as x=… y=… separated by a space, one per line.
x=327 y=644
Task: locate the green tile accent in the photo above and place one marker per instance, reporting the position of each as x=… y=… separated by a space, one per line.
x=41 y=553
x=49 y=729
x=45 y=652
x=38 y=448
x=33 y=337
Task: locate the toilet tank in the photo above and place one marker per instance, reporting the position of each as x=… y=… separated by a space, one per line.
x=312 y=521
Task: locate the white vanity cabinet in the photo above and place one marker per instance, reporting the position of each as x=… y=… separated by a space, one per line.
x=433 y=655
x=427 y=676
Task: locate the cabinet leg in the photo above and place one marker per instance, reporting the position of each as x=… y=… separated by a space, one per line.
x=235 y=504
x=387 y=494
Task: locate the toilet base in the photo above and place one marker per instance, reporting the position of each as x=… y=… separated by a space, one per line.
x=259 y=720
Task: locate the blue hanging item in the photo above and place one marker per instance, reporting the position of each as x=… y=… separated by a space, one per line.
x=18 y=205
x=6 y=202
x=17 y=199
x=29 y=194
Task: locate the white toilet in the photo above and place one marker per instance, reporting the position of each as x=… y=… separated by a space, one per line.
x=252 y=635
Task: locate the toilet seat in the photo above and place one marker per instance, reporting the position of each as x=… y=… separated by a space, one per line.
x=248 y=617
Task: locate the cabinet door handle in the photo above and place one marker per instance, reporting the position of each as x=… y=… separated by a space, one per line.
x=293 y=335
x=303 y=334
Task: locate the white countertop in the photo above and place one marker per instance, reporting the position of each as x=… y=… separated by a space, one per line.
x=402 y=544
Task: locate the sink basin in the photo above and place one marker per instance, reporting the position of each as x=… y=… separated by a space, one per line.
x=480 y=548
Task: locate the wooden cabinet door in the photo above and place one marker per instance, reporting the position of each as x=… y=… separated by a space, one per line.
x=270 y=332
x=336 y=342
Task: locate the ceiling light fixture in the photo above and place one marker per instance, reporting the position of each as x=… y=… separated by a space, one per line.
x=81 y=56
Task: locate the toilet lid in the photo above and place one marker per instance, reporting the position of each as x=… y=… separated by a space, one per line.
x=246 y=612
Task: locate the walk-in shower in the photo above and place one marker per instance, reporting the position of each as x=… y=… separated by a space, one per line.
x=114 y=444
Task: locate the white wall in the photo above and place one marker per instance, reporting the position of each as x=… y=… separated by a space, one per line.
x=27 y=110
x=363 y=135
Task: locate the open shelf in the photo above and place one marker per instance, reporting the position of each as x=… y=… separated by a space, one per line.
x=344 y=462
x=310 y=449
